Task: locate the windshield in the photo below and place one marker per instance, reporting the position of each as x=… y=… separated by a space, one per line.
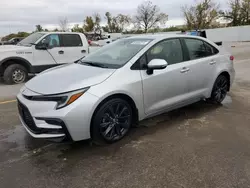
x=31 y=39
x=116 y=54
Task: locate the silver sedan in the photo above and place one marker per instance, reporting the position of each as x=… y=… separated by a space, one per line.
x=104 y=94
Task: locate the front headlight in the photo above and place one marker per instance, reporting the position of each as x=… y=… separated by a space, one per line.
x=63 y=99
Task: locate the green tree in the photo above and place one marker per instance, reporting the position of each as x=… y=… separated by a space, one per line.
x=39 y=28
x=245 y=12
x=13 y=35
x=149 y=16
x=201 y=15
x=76 y=28
x=89 y=24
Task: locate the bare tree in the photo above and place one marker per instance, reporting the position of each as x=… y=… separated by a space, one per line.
x=97 y=21
x=234 y=14
x=149 y=16
x=116 y=24
x=201 y=15
x=63 y=23
x=123 y=21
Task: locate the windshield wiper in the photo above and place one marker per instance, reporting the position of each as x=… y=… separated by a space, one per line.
x=93 y=64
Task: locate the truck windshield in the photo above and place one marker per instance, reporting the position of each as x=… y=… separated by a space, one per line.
x=116 y=54
x=31 y=39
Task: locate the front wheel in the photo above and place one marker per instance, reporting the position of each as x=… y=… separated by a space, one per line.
x=220 y=89
x=15 y=74
x=112 y=121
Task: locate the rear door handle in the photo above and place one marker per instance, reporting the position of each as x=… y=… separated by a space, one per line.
x=184 y=69
x=83 y=51
x=61 y=52
x=212 y=62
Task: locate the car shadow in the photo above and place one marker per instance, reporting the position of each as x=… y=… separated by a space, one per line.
x=73 y=152
x=145 y=127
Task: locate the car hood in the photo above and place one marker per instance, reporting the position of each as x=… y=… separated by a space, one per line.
x=6 y=48
x=68 y=77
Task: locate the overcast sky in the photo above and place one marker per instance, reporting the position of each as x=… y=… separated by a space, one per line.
x=23 y=15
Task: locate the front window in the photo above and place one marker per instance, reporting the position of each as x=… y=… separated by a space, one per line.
x=31 y=39
x=52 y=41
x=169 y=50
x=116 y=54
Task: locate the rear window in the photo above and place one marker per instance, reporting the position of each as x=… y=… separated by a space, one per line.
x=71 y=40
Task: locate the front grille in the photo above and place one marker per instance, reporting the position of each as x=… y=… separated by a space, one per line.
x=29 y=122
x=27 y=118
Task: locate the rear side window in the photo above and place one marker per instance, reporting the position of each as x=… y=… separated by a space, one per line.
x=210 y=49
x=71 y=40
x=196 y=48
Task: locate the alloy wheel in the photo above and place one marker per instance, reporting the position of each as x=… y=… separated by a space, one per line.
x=220 y=89
x=115 y=121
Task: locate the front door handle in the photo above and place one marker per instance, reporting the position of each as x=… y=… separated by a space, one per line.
x=212 y=62
x=83 y=51
x=61 y=52
x=184 y=69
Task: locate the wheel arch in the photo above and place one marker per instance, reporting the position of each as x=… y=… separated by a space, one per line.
x=15 y=60
x=121 y=96
x=227 y=75
x=223 y=72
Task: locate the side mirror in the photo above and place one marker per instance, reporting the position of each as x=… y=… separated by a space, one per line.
x=156 y=64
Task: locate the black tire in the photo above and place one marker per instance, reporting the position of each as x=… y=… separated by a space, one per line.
x=220 y=89
x=111 y=121
x=15 y=74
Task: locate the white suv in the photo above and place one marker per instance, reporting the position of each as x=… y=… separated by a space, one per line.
x=40 y=51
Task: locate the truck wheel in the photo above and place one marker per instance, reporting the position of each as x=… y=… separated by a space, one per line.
x=15 y=74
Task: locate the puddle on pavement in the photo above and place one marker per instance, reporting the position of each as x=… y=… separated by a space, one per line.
x=17 y=139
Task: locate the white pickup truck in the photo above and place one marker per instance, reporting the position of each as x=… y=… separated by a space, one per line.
x=40 y=51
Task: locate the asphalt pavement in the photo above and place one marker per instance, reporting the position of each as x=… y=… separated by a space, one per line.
x=201 y=145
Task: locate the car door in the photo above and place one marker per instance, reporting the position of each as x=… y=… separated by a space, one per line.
x=165 y=89
x=201 y=65
x=73 y=47
x=52 y=55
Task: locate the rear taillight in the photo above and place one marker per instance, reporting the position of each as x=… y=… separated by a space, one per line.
x=231 y=57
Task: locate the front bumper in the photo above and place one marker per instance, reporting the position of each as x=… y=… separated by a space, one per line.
x=42 y=120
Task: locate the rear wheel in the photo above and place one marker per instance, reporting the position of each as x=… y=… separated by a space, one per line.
x=15 y=74
x=220 y=89
x=112 y=121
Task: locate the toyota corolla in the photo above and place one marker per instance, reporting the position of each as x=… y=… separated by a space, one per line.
x=105 y=93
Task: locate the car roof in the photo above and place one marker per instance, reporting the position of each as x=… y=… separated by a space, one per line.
x=59 y=32
x=163 y=36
